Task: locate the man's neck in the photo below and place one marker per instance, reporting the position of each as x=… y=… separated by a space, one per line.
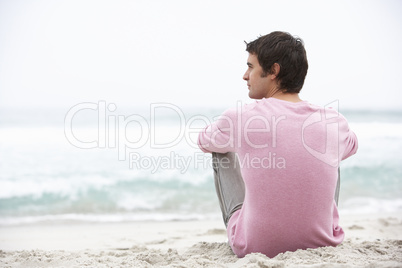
x=291 y=97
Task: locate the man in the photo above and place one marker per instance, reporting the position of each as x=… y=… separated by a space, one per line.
x=276 y=160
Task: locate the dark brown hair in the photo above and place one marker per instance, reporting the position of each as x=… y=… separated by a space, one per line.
x=288 y=52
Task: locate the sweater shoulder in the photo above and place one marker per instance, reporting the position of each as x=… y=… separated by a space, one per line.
x=241 y=109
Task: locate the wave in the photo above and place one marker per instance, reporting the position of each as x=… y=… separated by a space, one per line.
x=370 y=205
x=358 y=205
x=106 y=218
x=43 y=177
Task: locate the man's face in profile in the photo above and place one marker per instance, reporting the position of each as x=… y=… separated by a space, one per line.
x=258 y=85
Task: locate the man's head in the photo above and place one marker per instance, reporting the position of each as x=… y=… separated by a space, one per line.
x=282 y=55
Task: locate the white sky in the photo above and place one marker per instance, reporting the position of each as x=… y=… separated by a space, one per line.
x=60 y=53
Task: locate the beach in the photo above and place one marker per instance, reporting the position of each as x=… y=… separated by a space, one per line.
x=371 y=240
x=74 y=207
x=102 y=104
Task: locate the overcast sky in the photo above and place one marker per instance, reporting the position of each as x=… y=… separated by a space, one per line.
x=192 y=53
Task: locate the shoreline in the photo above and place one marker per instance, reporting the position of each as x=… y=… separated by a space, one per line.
x=370 y=239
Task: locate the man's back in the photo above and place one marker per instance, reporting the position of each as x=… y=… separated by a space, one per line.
x=289 y=155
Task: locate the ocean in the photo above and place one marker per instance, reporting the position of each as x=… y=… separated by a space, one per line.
x=96 y=162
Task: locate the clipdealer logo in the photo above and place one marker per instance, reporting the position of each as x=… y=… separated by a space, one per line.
x=112 y=132
x=329 y=116
x=112 y=128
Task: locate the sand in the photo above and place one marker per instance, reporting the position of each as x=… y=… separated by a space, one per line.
x=371 y=241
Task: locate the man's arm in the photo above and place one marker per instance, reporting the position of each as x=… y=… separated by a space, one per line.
x=219 y=136
x=348 y=141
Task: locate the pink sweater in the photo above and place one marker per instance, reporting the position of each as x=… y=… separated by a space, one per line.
x=289 y=155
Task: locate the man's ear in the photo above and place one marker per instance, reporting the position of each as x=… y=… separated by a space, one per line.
x=275 y=69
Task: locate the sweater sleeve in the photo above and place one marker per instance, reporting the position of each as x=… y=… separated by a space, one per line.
x=349 y=140
x=219 y=136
